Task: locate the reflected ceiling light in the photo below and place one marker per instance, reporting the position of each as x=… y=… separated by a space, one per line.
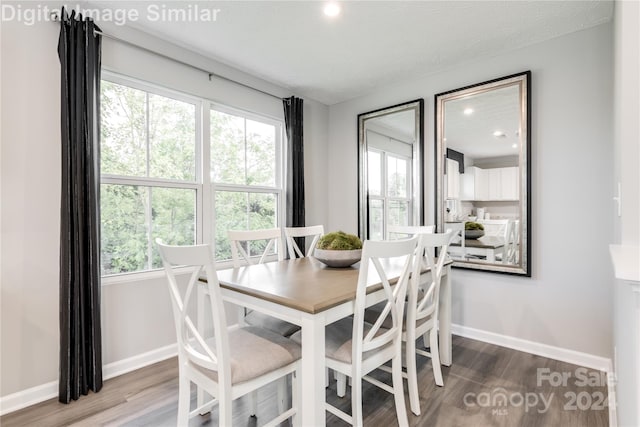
x=499 y=134
x=468 y=111
x=332 y=9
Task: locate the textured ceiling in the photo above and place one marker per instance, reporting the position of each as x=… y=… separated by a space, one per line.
x=371 y=43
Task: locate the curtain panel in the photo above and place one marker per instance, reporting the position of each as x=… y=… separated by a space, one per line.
x=293 y=119
x=79 y=51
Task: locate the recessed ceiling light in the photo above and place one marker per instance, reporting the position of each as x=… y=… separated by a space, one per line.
x=332 y=9
x=499 y=134
x=514 y=146
x=468 y=111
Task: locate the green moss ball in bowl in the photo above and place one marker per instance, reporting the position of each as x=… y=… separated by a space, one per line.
x=338 y=249
x=473 y=230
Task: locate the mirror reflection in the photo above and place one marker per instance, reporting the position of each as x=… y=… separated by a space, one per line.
x=390 y=187
x=483 y=145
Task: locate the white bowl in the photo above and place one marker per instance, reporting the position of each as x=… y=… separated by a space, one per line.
x=338 y=258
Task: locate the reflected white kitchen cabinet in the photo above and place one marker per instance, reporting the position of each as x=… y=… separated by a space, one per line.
x=475 y=184
x=489 y=184
x=509 y=183
x=453 y=179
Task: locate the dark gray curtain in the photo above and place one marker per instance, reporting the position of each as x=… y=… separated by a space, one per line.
x=295 y=164
x=80 y=334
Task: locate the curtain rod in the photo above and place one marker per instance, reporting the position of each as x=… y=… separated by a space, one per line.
x=56 y=18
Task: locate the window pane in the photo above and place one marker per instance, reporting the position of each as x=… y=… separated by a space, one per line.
x=124 y=232
x=228 y=151
x=376 y=217
x=374 y=164
x=396 y=176
x=243 y=211
x=261 y=154
x=126 y=148
x=172 y=138
x=173 y=215
x=123 y=130
x=398 y=213
x=126 y=239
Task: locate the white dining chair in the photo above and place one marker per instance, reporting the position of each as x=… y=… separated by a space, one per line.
x=354 y=348
x=232 y=363
x=291 y=233
x=421 y=312
x=401 y=231
x=459 y=251
x=499 y=228
x=241 y=241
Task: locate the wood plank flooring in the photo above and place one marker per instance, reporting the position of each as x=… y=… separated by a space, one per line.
x=487 y=385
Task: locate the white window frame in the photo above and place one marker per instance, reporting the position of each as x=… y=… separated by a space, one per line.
x=278 y=189
x=384 y=190
x=203 y=185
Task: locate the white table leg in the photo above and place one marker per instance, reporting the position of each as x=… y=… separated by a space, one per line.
x=491 y=255
x=312 y=383
x=444 y=320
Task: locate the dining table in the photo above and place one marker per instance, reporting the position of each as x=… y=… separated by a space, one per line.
x=308 y=293
x=486 y=246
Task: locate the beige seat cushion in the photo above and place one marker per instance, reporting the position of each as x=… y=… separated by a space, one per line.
x=339 y=340
x=280 y=327
x=255 y=351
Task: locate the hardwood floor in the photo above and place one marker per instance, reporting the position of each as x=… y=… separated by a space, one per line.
x=480 y=376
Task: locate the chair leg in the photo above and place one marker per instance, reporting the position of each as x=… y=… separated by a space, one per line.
x=356 y=401
x=282 y=393
x=435 y=357
x=184 y=400
x=224 y=410
x=412 y=375
x=253 y=404
x=341 y=384
x=398 y=389
x=295 y=398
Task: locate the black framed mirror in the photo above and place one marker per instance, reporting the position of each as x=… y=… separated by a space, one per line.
x=390 y=172
x=483 y=179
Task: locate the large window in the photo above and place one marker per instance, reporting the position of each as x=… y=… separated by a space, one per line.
x=245 y=171
x=152 y=186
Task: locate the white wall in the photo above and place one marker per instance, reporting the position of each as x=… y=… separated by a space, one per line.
x=626 y=313
x=136 y=316
x=567 y=302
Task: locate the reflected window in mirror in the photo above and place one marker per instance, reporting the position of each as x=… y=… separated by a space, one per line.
x=483 y=162
x=390 y=179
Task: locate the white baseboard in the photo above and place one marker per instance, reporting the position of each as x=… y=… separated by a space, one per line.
x=557 y=353
x=140 y=361
x=37 y=394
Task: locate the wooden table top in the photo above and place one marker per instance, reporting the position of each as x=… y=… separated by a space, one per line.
x=303 y=284
x=484 y=242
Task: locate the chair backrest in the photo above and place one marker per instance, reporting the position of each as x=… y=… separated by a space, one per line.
x=375 y=268
x=401 y=231
x=458 y=235
x=239 y=237
x=291 y=233
x=425 y=303
x=192 y=347
x=495 y=227
x=510 y=255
